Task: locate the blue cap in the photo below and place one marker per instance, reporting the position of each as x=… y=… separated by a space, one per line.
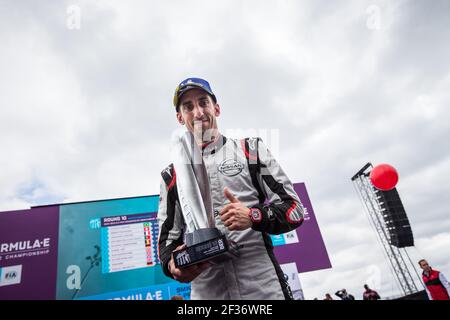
x=191 y=83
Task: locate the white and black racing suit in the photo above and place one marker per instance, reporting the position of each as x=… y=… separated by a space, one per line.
x=252 y=174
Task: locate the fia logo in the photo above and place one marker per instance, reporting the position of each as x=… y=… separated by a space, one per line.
x=10 y=275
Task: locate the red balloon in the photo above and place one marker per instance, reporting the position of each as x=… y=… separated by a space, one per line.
x=384 y=177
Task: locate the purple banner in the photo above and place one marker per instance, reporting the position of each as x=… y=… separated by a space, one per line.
x=28 y=253
x=305 y=245
x=127 y=219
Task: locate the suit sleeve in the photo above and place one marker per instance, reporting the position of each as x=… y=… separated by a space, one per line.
x=284 y=211
x=171 y=225
x=444 y=282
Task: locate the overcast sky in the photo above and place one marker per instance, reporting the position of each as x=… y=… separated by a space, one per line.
x=86 y=106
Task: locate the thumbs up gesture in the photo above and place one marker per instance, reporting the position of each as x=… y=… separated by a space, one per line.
x=235 y=215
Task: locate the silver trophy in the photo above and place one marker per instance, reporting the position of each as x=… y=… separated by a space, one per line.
x=203 y=240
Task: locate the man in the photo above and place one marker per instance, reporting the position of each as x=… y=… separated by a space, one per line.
x=436 y=284
x=344 y=295
x=243 y=175
x=370 y=294
x=328 y=297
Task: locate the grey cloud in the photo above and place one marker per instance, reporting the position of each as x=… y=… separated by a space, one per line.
x=88 y=112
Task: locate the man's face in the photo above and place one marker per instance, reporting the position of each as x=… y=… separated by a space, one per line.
x=425 y=266
x=198 y=112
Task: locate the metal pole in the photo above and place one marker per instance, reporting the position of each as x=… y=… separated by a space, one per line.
x=417 y=274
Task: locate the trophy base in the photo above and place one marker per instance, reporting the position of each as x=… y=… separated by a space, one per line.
x=205 y=244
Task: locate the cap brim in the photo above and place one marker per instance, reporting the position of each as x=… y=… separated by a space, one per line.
x=186 y=89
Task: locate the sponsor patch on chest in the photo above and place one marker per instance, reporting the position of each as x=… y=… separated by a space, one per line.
x=230 y=167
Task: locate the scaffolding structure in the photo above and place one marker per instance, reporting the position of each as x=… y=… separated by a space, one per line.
x=373 y=204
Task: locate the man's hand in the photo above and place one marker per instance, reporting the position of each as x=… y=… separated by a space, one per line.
x=235 y=215
x=189 y=273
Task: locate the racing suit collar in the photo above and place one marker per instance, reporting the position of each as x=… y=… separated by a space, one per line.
x=213 y=146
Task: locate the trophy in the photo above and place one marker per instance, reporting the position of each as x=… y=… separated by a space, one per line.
x=203 y=240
